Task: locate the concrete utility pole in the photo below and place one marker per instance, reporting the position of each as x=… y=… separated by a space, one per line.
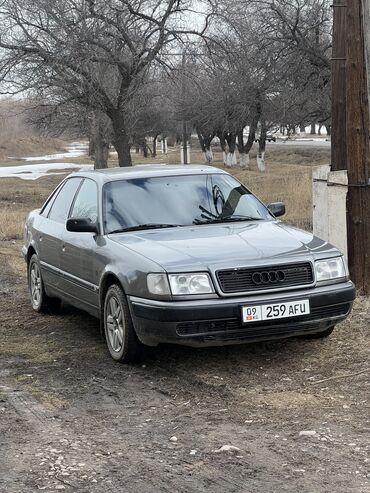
x=358 y=144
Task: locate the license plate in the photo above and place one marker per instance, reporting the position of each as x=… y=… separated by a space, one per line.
x=258 y=313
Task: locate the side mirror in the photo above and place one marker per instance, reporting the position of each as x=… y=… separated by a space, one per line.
x=277 y=209
x=81 y=225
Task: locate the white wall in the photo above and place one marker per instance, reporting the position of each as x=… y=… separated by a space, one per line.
x=330 y=206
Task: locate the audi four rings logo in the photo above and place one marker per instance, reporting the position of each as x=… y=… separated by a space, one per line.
x=268 y=277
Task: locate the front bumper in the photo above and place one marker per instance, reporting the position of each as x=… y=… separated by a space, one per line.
x=215 y=322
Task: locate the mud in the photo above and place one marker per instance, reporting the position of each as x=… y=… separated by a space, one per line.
x=71 y=419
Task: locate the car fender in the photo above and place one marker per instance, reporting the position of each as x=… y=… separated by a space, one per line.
x=29 y=240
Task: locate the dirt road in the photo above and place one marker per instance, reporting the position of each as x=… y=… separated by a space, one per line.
x=71 y=419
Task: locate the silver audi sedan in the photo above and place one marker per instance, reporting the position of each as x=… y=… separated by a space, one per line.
x=180 y=254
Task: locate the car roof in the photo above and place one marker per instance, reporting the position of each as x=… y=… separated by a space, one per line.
x=148 y=171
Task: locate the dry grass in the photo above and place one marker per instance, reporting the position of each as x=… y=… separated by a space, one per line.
x=19 y=147
x=17 y=198
x=11 y=224
x=19 y=138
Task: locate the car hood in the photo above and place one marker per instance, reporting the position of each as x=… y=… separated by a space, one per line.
x=216 y=246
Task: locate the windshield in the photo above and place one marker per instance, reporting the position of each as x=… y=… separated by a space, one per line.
x=170 y=201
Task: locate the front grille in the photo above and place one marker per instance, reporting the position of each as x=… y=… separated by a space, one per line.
x=234 y=326
x=265 y=278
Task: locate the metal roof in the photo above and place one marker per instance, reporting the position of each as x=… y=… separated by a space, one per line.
x=148 y=171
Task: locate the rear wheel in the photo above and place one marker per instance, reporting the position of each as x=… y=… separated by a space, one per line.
x=122 y=341
x=321 y=335
x=40 y=301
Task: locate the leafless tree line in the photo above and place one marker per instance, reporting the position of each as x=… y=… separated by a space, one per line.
x=123 y=70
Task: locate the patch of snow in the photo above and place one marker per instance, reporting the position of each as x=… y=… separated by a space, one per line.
x=76 y=149
x=35 y=171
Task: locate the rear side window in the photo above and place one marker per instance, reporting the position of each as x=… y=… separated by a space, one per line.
x=86 y=202
x=63 y=201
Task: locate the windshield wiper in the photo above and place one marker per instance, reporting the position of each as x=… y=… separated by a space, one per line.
x=143 y=226
x=228 y=219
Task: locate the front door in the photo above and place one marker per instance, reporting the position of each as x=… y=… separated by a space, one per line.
x=80 y=250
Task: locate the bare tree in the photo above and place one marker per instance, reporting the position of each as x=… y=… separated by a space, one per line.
x=70 y=44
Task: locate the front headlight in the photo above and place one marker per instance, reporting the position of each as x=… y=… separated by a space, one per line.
x=331 y=269
x=185 y=284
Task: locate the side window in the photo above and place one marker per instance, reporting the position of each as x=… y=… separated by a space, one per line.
x=231 y=198
x=86 y=203
x=46 y=208
x=62 y=204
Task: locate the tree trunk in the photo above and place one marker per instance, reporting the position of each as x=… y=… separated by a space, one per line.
x=302 y=129
x=154 y=151
x=328 y=130
x=205 y=141
x=223 y=145
x=121 y=140
x=201 y=140
x=99 y=140
x=144 y=148
x=244 y=149
x=244 y=160
x=262 y=148
x=91 y=145
x=313 y=129
x=208 y=156
x=101 y=153
x=230 y=138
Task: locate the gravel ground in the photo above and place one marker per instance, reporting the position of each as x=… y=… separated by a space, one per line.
x=283 y=416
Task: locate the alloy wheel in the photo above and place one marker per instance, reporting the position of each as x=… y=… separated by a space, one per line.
x=35 y=285
x=115 y=324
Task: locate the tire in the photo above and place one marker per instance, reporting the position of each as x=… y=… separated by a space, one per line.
x=40 y=301
x=320 y=335
x=122 y=342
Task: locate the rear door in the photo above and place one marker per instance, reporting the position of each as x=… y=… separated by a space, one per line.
x=50 y=229
x=80 y=251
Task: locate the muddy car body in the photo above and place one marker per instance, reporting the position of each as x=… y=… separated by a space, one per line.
x=181 y=254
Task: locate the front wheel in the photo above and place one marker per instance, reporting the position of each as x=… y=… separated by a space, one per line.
x=122 y=341
x=39 y=300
